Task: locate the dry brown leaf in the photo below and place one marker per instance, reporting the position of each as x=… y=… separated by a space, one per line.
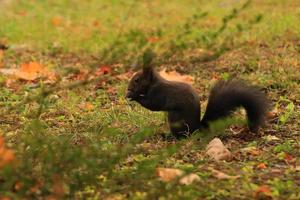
x=221 y=175
x=273 y=114
x=175 y=76
x=1 y=58
x=125 y=76
x=57 y=187
x=289 y=158
x=168 y=174
x=189 y=179
x=297 y=168
x=217 y=151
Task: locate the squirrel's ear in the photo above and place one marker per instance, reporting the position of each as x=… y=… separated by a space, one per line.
x=148 y=57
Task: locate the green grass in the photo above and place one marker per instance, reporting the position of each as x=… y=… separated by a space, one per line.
x=111 y=149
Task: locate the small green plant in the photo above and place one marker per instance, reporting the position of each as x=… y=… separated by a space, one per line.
x=288 y=111
x=285 y=147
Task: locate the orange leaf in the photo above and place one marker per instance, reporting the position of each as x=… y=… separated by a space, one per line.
x=22 y=13
x=5 y=198
x=87 y=106
x=56 y=21
x=8 y=156
x=17 y=186
x=261 y=166
x=1 y=142
x=153 y=39
x=30 y=71
x=263 y=190
x=103 y=70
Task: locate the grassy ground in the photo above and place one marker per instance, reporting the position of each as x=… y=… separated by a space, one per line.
x=89 y=142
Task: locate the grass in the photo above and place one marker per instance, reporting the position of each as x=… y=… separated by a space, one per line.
x=90 y=143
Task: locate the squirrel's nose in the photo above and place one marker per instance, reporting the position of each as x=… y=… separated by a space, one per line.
x=129 y=94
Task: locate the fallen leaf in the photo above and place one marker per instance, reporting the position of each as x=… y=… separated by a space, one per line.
x=125 y=76
x=1 y=58
x=217 y=151
x=276 y=171
x=29 y=71
x=168 y=174
x=221 y=175
x=57 y=187
x=5 y=198
x=6 y=155
x=273 y=114
x=251 y=150
x=96 y=23
x=289 y=158
x=261 y=166
x=1 y=141
x=56 y=21
x=22 y=13
x=175 y=76
x=153 y=39
x=17 y=186
x=270 y=138
x=189 y=179
x=263 y=190
x=103 y=70
x=297 y=168
x=87 y=106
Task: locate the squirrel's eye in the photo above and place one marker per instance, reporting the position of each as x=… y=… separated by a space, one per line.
x=137 y=80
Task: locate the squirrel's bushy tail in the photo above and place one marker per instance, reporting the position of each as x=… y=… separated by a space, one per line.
x=226 y=96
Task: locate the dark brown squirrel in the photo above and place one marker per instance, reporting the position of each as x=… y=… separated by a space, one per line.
x=182 y=102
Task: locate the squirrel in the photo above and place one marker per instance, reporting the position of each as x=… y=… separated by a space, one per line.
x=182 y=103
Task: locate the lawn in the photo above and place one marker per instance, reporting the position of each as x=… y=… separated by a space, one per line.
x=67 y=131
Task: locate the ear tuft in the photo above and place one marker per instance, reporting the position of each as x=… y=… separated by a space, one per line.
x=148 y=57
